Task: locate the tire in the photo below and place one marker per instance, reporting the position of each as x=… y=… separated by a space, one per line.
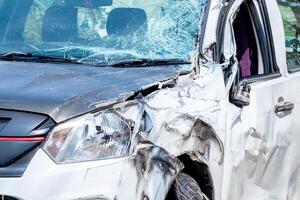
x=185 y=188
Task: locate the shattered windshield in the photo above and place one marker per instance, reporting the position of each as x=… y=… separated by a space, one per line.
x=102 y=31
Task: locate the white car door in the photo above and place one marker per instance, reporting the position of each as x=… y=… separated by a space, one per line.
x=260 y=108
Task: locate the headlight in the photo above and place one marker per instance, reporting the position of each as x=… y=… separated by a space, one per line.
x=91 y=137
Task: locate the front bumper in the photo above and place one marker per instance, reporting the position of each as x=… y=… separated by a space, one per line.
x=43 y=179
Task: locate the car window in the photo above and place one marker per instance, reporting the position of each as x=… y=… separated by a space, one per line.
x=290 y=11
x=246 y=43
x=92 y=22
x=104 y=33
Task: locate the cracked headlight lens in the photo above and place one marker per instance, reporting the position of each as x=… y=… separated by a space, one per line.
x=90 y=137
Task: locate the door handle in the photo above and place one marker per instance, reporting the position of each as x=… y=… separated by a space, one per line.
x=284 y=107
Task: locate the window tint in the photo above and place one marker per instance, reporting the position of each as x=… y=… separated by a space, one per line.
x=290 y=11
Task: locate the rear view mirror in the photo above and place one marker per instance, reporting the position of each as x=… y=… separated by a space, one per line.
x=89 y=3
x=241 y=97
x=240 y=91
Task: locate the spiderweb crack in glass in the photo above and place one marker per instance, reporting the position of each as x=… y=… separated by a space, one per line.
x=169 y=30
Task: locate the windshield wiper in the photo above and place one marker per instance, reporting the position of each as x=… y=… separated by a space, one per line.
x=149 y=62
x=28 y=57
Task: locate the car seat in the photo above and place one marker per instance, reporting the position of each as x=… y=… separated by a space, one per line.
x=60 y=24
x=126 y=21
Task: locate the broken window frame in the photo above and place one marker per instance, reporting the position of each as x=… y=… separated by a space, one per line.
x=271 y=69
x=240 y=87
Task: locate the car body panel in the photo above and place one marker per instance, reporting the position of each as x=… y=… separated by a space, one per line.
x=294 y=150
x=64 y=91
x=261 y=157
x=259 y=143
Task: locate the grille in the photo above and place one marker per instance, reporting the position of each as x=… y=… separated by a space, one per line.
x=16 y=132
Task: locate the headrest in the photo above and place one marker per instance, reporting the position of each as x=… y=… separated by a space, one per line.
x=88 y=3
x=60 y=24
x=124 y=21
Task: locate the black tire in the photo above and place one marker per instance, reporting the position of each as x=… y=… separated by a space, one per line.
x=185 y=188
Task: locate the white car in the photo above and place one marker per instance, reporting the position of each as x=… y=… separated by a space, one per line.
x=131 y=100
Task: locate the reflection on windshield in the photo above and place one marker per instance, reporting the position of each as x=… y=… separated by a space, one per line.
x=102 y=31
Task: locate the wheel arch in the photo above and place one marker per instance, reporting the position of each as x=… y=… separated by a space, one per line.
x=200 y=172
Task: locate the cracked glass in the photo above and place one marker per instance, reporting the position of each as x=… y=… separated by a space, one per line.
x=102 y=31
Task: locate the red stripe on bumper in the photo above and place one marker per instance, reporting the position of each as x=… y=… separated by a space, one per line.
x=22 y=139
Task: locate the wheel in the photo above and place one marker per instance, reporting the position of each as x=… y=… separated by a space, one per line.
x=185 y=188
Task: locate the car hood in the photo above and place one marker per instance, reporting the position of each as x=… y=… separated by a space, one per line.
x=63 y=91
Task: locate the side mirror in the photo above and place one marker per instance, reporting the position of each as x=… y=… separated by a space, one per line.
x=241 y=96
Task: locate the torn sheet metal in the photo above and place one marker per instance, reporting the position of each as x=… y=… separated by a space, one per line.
x=185 y=119
x=209 y=35
x=194 y=117
x=180 y=114
x=150 y=172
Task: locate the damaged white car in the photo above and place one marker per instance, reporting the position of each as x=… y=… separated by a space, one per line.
x=162 y=99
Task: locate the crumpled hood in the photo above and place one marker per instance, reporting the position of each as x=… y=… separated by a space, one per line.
x=66 y=90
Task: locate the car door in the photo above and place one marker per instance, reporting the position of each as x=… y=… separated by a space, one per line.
x=260 y=108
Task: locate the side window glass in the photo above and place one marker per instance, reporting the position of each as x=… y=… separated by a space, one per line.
x=290 y=11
